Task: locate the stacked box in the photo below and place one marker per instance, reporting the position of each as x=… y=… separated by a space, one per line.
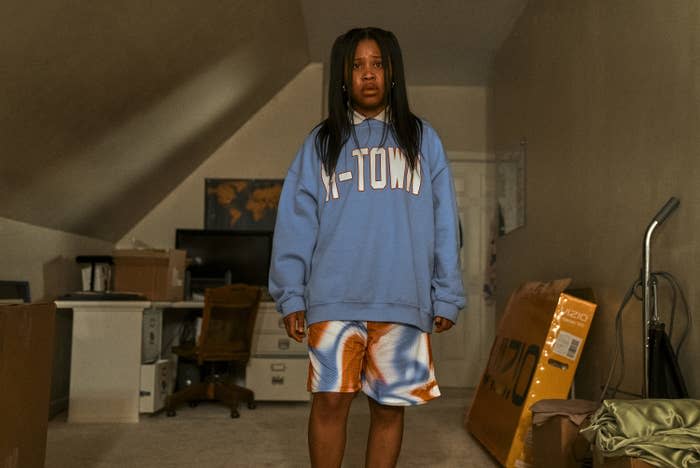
x=557 y=442
x=157 y=274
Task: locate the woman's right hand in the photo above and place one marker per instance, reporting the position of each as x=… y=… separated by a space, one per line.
x=295 y=325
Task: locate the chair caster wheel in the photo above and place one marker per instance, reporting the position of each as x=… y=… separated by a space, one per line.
x=235 y=414
x=170 y=413
x=251 y=405
x=193 y=404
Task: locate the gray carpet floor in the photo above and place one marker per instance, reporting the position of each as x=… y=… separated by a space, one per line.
x=272 y=435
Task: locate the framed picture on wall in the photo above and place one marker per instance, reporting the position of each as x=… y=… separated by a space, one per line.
x=510 y=188
x=241 y=204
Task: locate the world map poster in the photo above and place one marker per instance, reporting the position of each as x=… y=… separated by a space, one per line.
x=241 y=204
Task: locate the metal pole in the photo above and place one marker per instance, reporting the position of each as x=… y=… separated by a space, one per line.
x=660 y=217
x=646 y=302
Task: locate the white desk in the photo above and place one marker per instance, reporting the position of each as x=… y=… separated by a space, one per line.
x=106 y=358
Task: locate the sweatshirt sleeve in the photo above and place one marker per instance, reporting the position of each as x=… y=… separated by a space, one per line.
x=447 y=292
x=294 y=240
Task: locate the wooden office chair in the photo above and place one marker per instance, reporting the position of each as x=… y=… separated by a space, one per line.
x=228 y=320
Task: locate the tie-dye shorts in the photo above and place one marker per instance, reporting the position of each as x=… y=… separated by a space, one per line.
x=392 y=363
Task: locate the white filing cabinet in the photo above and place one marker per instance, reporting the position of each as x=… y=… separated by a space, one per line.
x=277 y=369
x=156 y=385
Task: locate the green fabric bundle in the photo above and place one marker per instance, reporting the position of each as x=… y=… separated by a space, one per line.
x=661 y=432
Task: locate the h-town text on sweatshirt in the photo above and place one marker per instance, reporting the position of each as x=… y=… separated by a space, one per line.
x=387 y=167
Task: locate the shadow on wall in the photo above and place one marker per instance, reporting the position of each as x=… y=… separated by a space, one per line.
x=60 y=374
x=61 y=276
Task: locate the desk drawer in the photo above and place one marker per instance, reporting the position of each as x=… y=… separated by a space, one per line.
x=282 y=379
x=269 y=321
x=278 y=345
x=156 y=384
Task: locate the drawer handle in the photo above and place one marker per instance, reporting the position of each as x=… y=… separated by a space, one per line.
x=278 y=367
x=283 y=343
x=277 y=380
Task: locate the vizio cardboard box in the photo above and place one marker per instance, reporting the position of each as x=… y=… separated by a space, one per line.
x=534 y=356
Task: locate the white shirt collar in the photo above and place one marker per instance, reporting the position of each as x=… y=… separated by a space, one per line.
x=358 y=118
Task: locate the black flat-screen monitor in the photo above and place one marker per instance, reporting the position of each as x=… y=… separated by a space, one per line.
x=239 y=256
x=14 y=291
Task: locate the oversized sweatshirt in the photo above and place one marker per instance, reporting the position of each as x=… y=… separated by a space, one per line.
x=374 y=241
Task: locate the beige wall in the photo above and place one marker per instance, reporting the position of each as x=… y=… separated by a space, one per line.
x=44 y=257
x=263 y=148
x=608 y=96
x=458 y=113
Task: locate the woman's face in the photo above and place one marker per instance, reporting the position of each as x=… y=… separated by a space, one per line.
x=368 y=87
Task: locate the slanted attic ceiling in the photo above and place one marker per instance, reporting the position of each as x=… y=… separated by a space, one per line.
x=105 y=107
x=446 y=42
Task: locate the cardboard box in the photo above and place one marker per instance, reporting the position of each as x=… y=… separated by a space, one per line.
x=534 y=356
x=557 y=442
x=157 y=274
x=26 y=350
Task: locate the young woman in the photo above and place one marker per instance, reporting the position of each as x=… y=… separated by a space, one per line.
x=366 y=250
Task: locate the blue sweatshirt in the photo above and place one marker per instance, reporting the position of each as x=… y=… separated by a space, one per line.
x=374 y=241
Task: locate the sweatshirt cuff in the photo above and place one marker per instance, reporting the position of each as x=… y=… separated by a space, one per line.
x=293 y=304
x=446 y=309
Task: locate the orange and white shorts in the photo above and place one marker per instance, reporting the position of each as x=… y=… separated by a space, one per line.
x=390 y=362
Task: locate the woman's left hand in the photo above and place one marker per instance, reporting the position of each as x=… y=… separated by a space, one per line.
x=442 y=324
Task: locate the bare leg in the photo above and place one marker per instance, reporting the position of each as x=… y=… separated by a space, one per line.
x=385 y=434
x=327 y=423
